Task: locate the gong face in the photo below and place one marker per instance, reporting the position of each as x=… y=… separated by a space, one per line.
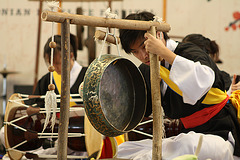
x=117 y=95
x=114 y=95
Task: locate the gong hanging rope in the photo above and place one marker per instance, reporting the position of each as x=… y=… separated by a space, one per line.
x=108 y=14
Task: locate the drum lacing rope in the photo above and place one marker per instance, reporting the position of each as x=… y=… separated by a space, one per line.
x=45 y=134
x=18 y=101
x=140 y=132
x=108 y=14
x=149 y=121
x=43 y=96
x=41 y=135
x=28 y=97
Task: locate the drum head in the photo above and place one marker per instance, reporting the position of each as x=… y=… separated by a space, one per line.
x=93 y=139
x=9 y=114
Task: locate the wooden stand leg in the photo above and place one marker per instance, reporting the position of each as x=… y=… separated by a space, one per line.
x=156 y=103
x=65 y=91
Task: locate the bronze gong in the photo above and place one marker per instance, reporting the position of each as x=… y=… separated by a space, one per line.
x=114 y=95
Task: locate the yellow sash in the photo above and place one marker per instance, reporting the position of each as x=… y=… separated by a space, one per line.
x=235 y=99
x=120 y=139
x=214 y=95
x=57 y=80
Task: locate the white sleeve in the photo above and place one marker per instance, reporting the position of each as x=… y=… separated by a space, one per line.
x=192 y=78
x=229 y=92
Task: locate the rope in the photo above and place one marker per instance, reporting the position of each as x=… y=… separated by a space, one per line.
x=9 y=123
x=108 y=14
x=115 y=37
x=43 y=96
x=21 y=104
x=13 y=148
x=148 y=121
x=146 y=134
x=51 y=98
x=104 y=41
x=17 y=119
x=160 y=20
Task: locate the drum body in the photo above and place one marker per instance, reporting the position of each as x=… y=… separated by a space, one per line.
x=145 y=128
x=114 y=95
x=26 y=130
x=172 y=128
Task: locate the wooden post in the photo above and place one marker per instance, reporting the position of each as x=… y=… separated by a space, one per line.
x=156 y=103
x=38 y=47
x=65 y=91
x=109 y=47
x=90 y=44
x=59 y=25
x=100 y=35
x=164 y=10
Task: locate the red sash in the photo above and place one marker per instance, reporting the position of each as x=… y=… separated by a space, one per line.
x=200 y=117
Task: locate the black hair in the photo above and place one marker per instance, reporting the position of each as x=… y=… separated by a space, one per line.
x=57 y=40
x=209 y=46
x=128 y=37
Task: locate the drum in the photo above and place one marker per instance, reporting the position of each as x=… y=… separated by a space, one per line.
x=145 y=129
x=142 y=131
x=23 y=130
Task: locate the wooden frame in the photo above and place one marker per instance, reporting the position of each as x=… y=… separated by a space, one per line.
x=150 y=26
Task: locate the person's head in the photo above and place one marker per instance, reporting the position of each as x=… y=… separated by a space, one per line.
x=207 y=45
x=57 y=52
x=133 y=40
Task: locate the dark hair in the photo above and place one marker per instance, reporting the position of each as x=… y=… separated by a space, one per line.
x=209 y=46
x=128 y=37
x=57 y=39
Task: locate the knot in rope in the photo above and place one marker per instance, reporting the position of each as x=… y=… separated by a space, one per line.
x=108 y=14
x=157 y=19
x=8 y=123
x=52 y=5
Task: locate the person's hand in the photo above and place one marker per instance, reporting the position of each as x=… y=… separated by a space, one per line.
x=156 y=46
x=235 y=86
x=153 y=45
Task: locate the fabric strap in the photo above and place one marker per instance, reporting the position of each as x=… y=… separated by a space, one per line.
x=110 y=145
x=235 y=99
x=214 y=95
x=200 y=117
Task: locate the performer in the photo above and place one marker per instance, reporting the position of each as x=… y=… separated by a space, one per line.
x=192 y=88
x=212 y=49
